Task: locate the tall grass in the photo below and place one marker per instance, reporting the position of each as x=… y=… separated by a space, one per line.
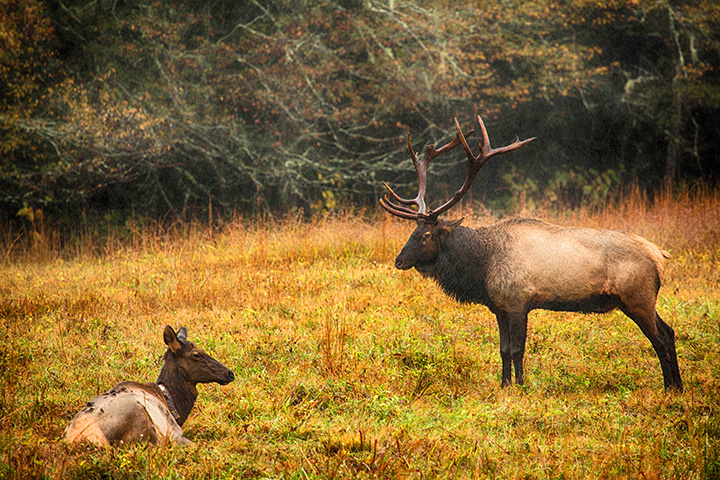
x=347 y=367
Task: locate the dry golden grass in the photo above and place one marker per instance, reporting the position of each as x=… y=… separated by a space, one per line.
x=347 y=367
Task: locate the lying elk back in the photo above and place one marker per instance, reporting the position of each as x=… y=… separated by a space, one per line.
x=150 y=412
x=522 y=264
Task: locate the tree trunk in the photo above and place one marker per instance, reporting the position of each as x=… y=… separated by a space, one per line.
x=673 y=150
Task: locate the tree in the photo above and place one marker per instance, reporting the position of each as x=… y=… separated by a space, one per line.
x=26 y=67
x=669 y=53
x=172 y=107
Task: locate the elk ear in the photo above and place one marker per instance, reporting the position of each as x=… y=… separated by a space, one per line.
x=171 y=339
x=182 y=334
x=453 y=225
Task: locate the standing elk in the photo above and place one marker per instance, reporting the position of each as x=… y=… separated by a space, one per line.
x=150 y=412
x=521 y=264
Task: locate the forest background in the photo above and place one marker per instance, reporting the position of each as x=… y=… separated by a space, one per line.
x=184 y=109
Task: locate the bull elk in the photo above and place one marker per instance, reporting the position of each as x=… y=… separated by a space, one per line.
x=521 y=264
x=150 y=412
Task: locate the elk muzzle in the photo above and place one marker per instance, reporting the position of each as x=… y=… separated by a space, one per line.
x=401 y=263
x=228 y=377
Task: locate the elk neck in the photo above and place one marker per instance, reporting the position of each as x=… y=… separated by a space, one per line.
x=462 y=263
x=181 y=395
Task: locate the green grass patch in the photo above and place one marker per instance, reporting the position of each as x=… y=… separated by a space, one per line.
x=347 y=367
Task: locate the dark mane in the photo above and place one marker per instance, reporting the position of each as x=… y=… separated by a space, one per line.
x=463 y=260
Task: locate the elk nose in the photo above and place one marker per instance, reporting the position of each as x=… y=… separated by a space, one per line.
x=399 y=264
x=230 y=376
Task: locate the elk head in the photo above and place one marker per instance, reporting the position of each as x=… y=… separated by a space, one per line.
x=194 y=364
x=422 y=246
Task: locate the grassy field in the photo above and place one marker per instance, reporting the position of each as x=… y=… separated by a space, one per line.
x=347 y=367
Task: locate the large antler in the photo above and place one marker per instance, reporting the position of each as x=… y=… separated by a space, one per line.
x=421 y=166
x=475 y=163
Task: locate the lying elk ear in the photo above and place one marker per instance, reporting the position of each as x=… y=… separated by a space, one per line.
x=171 y=339
x=182 y=334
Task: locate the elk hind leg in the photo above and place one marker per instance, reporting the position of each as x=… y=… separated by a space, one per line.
x=662 y=338
x=668 y=335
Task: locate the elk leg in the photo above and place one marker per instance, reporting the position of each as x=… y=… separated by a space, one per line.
x=518 y=335
x=513 y=332
x=668 y=335
x=505 y=349
x=662 y=338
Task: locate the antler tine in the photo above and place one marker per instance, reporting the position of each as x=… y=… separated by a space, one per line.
x=486 y=151
x=404 y=201
x=421 y=166
x=475 y=163
x=397 y=210
x=419 y=200
x=431 y=152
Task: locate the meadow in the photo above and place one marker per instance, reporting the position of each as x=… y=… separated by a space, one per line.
x=346 y=367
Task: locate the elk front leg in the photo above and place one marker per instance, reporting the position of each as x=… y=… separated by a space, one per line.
x=513 y=332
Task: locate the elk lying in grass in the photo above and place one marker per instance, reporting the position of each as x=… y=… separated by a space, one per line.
x=150 y=412
x=521 y=264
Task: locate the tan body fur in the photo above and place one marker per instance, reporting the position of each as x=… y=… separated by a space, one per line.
x=552 y=265
x=129 y=412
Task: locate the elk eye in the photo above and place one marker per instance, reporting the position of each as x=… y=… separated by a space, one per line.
x=196 y=356
x=426 y=236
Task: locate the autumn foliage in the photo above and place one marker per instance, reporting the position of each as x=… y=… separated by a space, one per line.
x=182 y=108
